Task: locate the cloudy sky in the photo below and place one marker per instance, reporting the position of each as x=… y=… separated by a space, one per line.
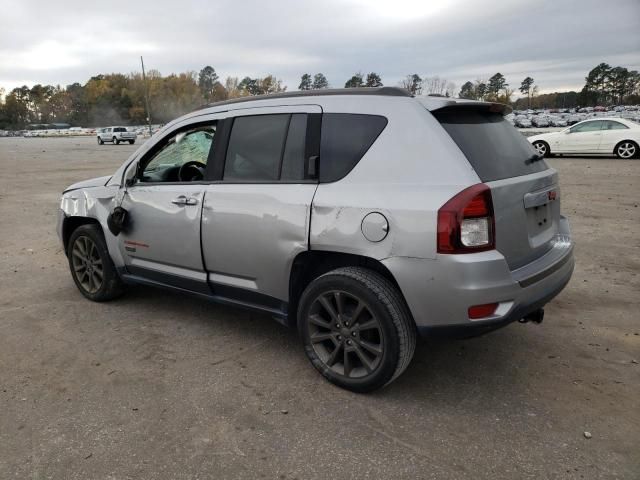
x=555 y=41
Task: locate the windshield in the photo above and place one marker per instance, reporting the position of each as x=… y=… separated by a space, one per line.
x=494 y=148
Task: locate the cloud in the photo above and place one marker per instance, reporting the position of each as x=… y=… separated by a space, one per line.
x=557 y=43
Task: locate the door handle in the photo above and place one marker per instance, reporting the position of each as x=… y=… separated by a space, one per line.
x=182 y=200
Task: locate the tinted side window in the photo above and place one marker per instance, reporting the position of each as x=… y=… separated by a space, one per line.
x=612 y=125
x=344 y=141
x=255 y=148
x=293 y=157
x=587 y=127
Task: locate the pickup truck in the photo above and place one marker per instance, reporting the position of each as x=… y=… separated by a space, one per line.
x=116 y=135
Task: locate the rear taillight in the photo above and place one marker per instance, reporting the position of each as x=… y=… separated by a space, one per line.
x=466 y=222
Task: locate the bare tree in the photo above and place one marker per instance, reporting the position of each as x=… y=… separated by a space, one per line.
x=413 y=83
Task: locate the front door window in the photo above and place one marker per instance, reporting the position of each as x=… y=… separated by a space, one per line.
x=183 y=157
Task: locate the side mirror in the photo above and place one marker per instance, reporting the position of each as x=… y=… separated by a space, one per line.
x=130 y=176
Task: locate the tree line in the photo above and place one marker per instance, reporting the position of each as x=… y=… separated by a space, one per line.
x=109 y=99
x=604 y=85
x=119 y=99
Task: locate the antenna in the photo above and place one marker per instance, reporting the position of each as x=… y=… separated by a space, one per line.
x=146 y=96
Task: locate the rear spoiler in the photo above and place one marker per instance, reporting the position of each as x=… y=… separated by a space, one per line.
x=438 y=103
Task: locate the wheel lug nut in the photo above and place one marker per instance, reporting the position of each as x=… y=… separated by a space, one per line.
x=339 y=337
x=348 y=342
x=346 y=324
x=337 y=325
x=353 y=334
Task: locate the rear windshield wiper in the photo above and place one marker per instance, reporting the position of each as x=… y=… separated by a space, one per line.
x=533 y=158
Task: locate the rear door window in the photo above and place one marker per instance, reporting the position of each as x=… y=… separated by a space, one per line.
x=293 y=156
x=255 y=148
x=494 y=148
x=344 y=140
x=266 y=148
x=613 y=125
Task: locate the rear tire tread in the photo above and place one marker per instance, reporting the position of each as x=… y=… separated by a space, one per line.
x=393 y=302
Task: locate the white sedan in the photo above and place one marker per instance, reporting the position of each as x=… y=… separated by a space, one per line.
x=611 y=135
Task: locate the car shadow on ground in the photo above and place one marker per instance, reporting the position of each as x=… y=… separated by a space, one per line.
x=443 y=370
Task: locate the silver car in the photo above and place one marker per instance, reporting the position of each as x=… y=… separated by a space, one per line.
x=115 y=135
x=361 y=217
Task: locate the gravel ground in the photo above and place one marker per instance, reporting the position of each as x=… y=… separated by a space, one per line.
x=157 y=385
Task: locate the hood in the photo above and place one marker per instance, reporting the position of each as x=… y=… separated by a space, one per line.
x=93 y=182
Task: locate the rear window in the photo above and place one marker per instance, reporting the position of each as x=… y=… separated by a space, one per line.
x=119 y=129
x=494 y=148
x=344 y=141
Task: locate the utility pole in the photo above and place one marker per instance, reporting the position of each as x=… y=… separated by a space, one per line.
x=146 y=96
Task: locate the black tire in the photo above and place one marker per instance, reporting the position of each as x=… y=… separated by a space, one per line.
x=131 y=142
x=626 y=150
x=116 y=141
x=100 y=142
x=542 y=148
x=393 y=337
x=110 y=285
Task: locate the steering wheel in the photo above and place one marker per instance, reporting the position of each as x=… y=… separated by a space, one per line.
x=191 y=171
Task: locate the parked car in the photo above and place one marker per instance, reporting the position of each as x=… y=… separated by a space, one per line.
x=116 y=135
x=612 y=135
x=362 y=217
x=521 y=121
x=556 y=121
x=540 y=121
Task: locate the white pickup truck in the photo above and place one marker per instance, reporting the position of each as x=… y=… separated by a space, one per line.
x=116 y=135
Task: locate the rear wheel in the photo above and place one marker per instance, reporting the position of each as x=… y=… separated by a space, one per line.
x=116 y=141
x=132 y=142
x=542 y=148
x=356 y=329
x=100 y=142
x=626 y=149
x=91 y=266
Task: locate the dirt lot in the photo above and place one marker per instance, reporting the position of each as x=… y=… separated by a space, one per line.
x=156 y=385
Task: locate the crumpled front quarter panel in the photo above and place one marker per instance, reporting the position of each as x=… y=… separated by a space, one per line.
x=96 y=203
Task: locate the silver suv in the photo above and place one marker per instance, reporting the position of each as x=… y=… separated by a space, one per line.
x=362 y=217
x=116 y=135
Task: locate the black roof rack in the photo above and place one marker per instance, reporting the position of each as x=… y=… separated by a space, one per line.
x=383 y=91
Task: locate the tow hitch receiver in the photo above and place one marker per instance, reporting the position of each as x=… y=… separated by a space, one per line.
x=536 y=317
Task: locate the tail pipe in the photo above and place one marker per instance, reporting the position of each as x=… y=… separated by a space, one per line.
x=536 y=316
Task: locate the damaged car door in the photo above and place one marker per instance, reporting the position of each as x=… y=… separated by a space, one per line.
x=256 y=214
x=164 y=205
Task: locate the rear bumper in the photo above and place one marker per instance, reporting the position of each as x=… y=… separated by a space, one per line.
x=439 y=292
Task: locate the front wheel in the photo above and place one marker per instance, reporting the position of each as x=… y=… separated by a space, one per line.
x=356 y=328
x=91 y=266
x=131 y=142
x=626 y=149
x=542 y=148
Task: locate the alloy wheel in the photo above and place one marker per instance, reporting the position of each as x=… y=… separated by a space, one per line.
x=626 y=150
x=87 y=264
x=541 y=148
x=345 y=334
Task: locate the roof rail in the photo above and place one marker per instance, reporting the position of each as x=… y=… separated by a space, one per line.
x=381 y=91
